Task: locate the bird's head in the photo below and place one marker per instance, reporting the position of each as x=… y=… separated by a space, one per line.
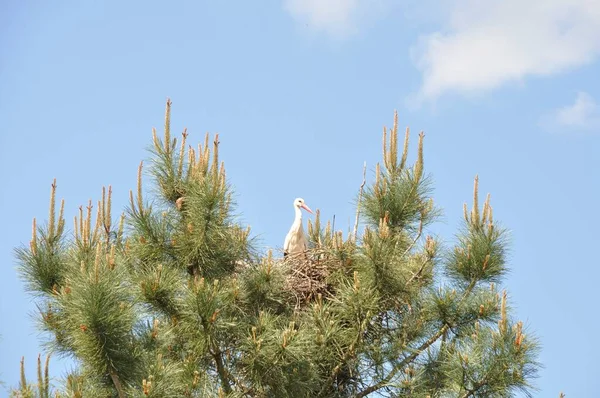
x=299 y=203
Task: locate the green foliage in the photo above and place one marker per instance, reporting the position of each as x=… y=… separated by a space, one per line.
x=479 y=256
x=173 y=301
x=264 y=289
x=45 y=257
x=104 y=337
x=277 y=358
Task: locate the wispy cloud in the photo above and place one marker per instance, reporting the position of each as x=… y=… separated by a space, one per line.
x=488 y=43
x=583 y=114
x=336 y=18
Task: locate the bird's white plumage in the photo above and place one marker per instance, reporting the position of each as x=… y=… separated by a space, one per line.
x=295 y=241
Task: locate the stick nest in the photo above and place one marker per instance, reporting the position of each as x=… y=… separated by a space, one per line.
x=308 y=275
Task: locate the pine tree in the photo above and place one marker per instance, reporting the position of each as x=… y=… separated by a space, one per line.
x=171 y=299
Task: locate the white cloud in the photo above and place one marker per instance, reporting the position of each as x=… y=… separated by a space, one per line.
x=488 y=43
x=337 y=18
x=583 y=114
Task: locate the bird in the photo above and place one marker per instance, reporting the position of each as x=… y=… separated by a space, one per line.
x=295 y=240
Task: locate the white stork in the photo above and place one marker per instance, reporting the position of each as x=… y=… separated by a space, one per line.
x=295 y=241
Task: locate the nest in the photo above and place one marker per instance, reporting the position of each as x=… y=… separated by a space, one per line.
x=308 y=275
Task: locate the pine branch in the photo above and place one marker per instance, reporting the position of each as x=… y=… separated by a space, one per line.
x=360 y=194
x=412 y=244
x=473 y=391
x=222 y=371
x=115 y=379
x=384 y=382
x=416 y=274
x=350 y=352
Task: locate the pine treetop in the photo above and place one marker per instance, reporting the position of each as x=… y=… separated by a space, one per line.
x=171 y=299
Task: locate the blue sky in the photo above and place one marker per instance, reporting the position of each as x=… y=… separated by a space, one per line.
x=299 y=92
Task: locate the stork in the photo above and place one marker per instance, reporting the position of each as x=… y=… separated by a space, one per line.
x=295 y=240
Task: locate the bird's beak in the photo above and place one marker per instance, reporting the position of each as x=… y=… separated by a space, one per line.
x=305 y=207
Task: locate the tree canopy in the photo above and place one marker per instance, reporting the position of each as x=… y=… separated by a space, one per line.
x=171 y=299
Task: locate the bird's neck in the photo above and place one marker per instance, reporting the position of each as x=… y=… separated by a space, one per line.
x=298 y=218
